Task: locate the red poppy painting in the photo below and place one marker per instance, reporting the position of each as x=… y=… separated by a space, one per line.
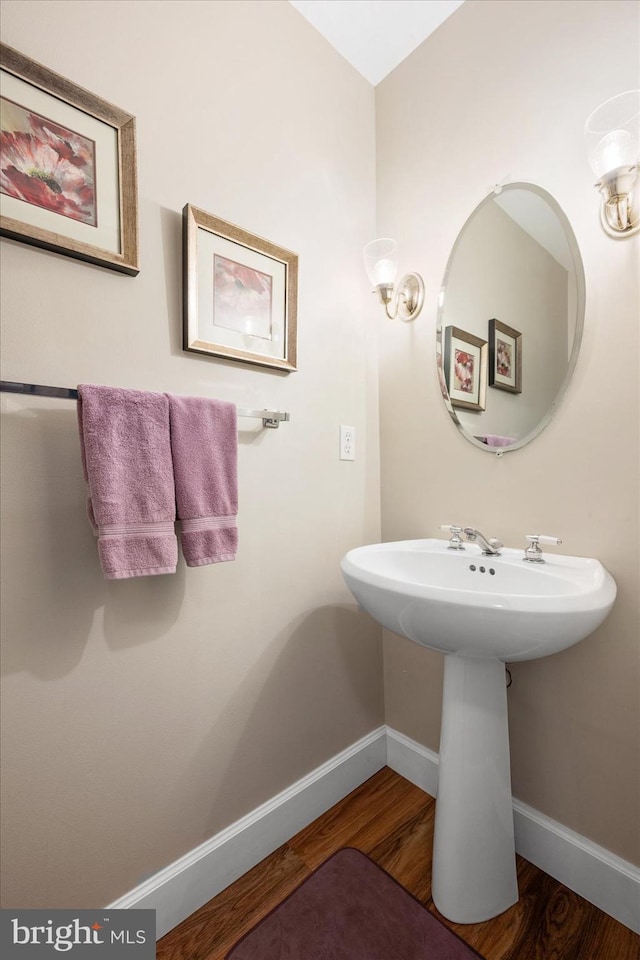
x=68 y=181
x=505 y=357
x=241 y=298
x=465 y=368
x=241 y=293
x=46 y=165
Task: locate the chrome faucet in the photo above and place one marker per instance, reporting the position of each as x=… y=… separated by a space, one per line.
x=490 y=548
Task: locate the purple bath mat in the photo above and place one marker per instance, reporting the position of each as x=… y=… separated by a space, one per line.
x=350 y=909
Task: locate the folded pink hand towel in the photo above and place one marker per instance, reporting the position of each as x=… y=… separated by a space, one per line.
x=126 y=457
x=204 y=444
x=496 y=440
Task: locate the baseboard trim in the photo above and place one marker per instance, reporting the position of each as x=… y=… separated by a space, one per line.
x=594 y=873
x=412 y=761
x=183 y=886
x=602 y=878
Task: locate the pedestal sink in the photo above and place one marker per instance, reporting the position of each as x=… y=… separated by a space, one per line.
x=480 y=611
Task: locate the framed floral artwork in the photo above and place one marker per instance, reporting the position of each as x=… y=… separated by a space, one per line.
x=505 y=357
x=67 y=167
x=240 y=293
x=465 y=368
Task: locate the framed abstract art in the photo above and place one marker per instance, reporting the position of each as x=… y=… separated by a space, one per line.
x=505 y=357
x=240 y=293
x=465 y=368
x=67 y=167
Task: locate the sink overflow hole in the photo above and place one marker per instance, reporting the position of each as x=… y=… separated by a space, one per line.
x=473 y=569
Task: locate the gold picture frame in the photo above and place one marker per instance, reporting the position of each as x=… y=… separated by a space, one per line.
x=68 y=164
x=240 y=293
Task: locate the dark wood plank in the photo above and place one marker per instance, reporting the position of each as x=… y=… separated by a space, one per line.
x=607 y=939
x=406 y=853
x=551 y=925
x=210 y=932
x=392 y=821
x=375 y=809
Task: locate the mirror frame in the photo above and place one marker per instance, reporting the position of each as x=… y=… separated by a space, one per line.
x=579 y=318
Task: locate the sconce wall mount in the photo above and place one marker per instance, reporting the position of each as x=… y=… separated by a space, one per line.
x=620 y=210
x=407 y=296
x=613 y=144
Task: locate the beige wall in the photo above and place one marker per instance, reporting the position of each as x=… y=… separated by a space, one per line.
x=143 y=716
x=502 y=90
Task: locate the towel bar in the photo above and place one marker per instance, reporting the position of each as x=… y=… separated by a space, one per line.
x=270 y=418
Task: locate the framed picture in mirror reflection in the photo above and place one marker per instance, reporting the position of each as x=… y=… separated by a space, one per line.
x=465 y=368
x=505 y=357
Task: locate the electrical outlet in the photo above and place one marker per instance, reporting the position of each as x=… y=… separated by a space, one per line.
x=347 y=442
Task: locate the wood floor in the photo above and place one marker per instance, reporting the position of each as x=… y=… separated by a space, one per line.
x=391 y=821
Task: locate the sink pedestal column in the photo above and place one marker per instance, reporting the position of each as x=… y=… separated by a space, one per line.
x=474 y=867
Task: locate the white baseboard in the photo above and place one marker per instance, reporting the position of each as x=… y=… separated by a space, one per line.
x=175 y=892
x=412 y=761
x=602 y=878
x=179 y=889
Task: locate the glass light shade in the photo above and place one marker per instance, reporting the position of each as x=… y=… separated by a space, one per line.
x=381 y=261
x=613 y=134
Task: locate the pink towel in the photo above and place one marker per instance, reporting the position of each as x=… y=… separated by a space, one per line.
x=126 y=457
x=495 y=440
x=204 y=444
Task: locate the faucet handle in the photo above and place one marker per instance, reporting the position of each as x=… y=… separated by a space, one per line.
x=533 y=553
x=455 y=541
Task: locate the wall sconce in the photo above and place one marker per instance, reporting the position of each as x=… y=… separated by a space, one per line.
x=381 y=264
x=613 y=147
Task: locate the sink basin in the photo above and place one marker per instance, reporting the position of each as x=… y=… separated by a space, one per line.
x=479 y=611
x=465 y=603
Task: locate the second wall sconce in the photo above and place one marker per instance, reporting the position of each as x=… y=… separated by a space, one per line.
x=613 y=146
x=381 y=264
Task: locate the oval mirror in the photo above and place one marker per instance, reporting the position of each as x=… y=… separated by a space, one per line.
x=510 y=317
